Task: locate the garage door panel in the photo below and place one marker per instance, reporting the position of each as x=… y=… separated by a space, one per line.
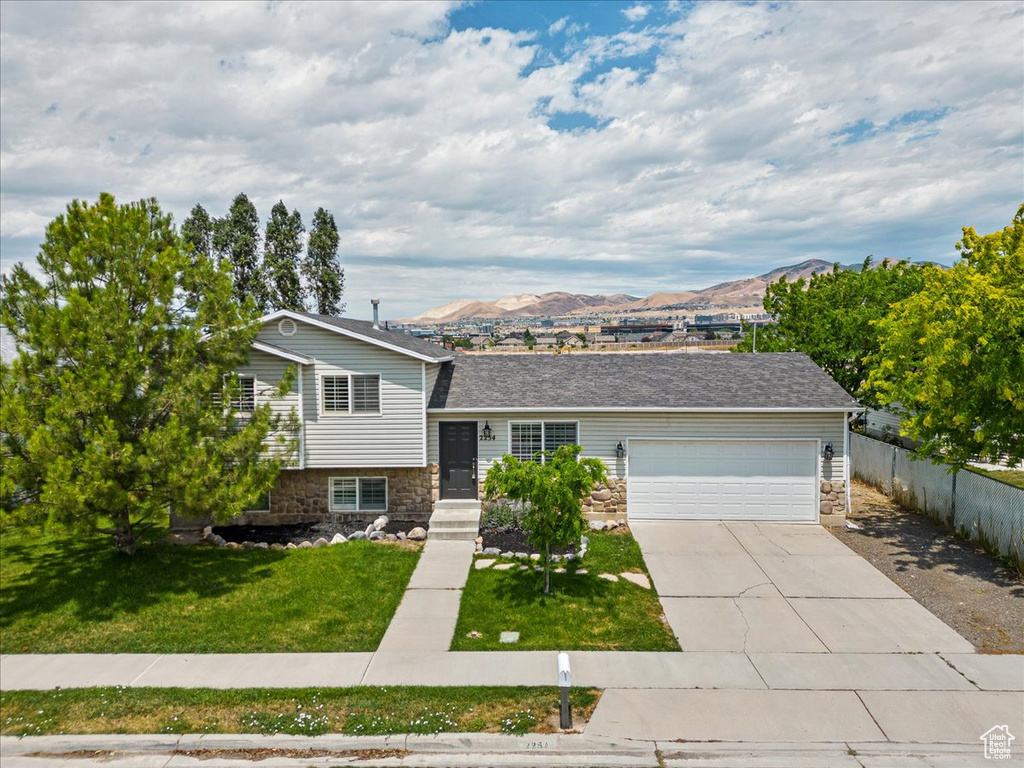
x=723 y=480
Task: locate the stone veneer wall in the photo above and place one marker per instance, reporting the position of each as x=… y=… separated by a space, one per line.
x=832 y=502
x=607 y=502
x=300 y=496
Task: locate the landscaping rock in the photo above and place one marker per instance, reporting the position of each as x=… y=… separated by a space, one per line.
x=210 y=536
x=233 y=545
x=608 y=576
x=602 y=495
x=504 y=566
x=277 y=546
x=262 y=545
x=207 y=530
x=509 y=637
x=220 y=541
x=321 y=542
x=611 y=525
x=338 y=539
x=556 y=558
x=248 y=545
x=524 y=567
x=356 y=536
x=637 y=578
x=521 y=555
x=493 y=551
x=376 y=536
x=417 y=534
x=390 y=537
x=596 y=525
x=508 y=554
x=569 y=557
x=559 y=570
x=380 y=523
x=290 y=545
x=306 y=545
x=584 y=541
x=482 y=563
x=401 y=535
x=369 y=529
x=535 y=556
x=582 y=571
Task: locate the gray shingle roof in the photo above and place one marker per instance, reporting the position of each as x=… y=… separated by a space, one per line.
x=394 y=338
x=788 y=380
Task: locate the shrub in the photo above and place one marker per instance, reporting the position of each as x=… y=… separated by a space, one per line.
x=503 y=515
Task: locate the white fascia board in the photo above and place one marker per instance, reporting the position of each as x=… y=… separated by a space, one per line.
x=283 y=313
x=294 y=357
x=584 y=409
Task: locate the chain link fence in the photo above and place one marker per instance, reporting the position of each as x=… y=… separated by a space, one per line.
x=988 y=511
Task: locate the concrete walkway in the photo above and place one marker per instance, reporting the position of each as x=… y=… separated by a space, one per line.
x=425 y=619
x=789 y=639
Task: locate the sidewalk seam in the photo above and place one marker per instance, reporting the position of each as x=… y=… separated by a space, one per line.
x=135 y=679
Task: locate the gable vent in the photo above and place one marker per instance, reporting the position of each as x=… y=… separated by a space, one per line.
x=287 y=327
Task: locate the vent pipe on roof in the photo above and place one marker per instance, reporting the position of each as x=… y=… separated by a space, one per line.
x=376 y=319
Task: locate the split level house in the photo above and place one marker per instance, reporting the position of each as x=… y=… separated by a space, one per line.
x=393 y=424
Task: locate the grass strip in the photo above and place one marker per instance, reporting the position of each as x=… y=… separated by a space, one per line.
x=299 y=711
x=584 y=611
x=81 y=596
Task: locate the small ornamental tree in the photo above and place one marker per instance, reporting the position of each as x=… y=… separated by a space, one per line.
x=552 y=487
x=116 y=407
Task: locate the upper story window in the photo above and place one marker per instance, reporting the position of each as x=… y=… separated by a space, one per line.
x=348 y=394
x=527 y=438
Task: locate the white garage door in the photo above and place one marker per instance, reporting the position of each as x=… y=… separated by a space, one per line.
x=723 y=480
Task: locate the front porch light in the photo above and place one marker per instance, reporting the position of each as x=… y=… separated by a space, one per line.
x=620 y=452
x=827 y=452
x=487 y=433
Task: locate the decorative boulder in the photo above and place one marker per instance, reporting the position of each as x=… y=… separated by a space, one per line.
x=380 y=523
x=417 y=534
x=248 y=545
x=207 y=530
x=357 y=536
x=369 y=529
x=401 y=535
x=290 y=545
x=321 y=542
x=611 y=525
x=508 y=554
x=376 y=536
x=338 y=539
x=306 y=545
x=233 y=545
x=261 y=545
x=390 y=537
x=492 y=551
x=596 y=525
x=220 y=541
x=277 y=546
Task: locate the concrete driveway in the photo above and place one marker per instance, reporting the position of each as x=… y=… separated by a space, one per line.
x=781 y=588
x=836 y=651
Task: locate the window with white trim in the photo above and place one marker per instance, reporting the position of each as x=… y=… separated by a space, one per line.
x=527 y=438
x=359 y=494
x=355 y=393
x=245 y=401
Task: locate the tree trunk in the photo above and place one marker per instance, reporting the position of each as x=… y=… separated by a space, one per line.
x=547 y=569
x=124 y=534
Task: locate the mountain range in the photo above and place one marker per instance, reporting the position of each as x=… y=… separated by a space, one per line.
x=747 y=292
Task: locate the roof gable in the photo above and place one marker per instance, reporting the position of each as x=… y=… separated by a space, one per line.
x=363 y=330
x=654 y=381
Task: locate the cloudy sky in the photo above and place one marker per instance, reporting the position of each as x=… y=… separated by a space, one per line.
x=479 y=150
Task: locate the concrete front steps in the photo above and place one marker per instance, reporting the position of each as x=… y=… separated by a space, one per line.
x=455 y=520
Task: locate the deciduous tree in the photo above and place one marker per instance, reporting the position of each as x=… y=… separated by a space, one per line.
x=830 y=317
x=282 y=248
x=953 y=353
x=321 y=268
x=553 y=487
x=238 y=238
x=111 y=412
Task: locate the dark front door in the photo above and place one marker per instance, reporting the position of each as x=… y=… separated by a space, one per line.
x=458 y=459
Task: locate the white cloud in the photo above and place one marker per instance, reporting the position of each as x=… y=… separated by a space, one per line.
x=558 y=26
x=637 y=12
x=721 y=158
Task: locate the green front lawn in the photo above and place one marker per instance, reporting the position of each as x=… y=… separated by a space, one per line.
x=84 y=597
x=584 y=612
x=303 y=711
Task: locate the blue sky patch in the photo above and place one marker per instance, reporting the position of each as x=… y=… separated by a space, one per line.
x=865 y=129
x=567 y=122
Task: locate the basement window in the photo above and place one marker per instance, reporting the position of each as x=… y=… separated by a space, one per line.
x=359 y=494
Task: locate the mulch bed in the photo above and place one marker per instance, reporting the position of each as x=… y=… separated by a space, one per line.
x=515 y=541
x=296 y=534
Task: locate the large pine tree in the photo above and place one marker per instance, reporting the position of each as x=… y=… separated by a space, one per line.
x=112 y=410
x=237 y=237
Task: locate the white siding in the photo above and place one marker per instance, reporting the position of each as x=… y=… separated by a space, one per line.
x=393 y=438
x=600 y=432
x=267 y=371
